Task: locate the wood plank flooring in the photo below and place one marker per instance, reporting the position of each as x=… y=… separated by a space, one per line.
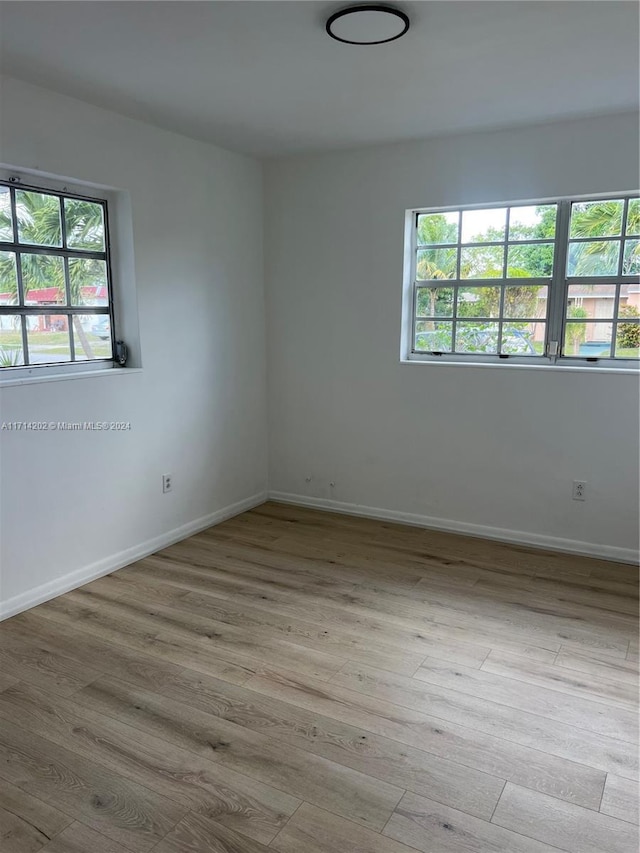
x=304 y=682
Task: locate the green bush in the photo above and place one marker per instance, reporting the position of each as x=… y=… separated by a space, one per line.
x=628 y=336
x=576 y=332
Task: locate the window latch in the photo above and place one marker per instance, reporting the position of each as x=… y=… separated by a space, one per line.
x=553 y=349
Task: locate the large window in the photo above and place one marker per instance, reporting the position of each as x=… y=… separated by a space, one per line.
x=55 y=285
x=527 y=283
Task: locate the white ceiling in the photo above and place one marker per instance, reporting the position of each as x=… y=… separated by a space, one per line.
x=264 y=78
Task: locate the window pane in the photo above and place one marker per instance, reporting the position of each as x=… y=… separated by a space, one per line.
x=478 y=301
x=477 y=337
x=48 y=338
x=436 y=264
x=92 y=336
x=533 y=222
x=88 y=281
x=8 y=279
x=434 y=302
x=481 y=226
x=530 y=260
x=628 y=339
x=482 y=262
x=85 y=224
x=633 y=216
x=433 y=336
x=526 y=302
x=43 y=279
x=523 y=338
x=596 y=218
x=6 y=220
x=587 y=340
x=38 y=218
x=11 y=353
x=593 y=301
x=587 y=259
x=438 y=228
x=631 y=262
x=480 y=296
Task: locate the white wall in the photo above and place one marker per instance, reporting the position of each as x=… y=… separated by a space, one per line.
x=458 y=446
x=74 y=504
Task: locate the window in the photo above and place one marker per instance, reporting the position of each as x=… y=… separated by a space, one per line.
x=55 y=281
x=527 y=283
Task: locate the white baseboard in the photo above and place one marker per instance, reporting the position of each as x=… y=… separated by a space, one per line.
x=73 y=580
x=481 y=531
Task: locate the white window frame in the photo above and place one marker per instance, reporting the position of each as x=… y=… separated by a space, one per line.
x=558 y=289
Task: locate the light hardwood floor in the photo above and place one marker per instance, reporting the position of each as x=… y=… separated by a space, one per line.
x=304 y=682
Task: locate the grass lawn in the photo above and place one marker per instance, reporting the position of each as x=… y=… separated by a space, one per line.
x=53 y=343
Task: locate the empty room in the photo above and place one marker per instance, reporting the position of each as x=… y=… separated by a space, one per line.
x=319 y=426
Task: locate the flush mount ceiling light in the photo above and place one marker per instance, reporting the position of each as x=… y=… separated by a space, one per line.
x=370 y=24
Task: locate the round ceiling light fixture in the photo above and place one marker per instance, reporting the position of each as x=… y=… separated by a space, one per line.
x=371 y=24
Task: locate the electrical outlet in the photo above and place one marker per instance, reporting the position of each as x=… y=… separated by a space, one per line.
x=579 y=490
x=167 y=482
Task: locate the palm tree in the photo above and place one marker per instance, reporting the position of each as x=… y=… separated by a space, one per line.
x=603 y=219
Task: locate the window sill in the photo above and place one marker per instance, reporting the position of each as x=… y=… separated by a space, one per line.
x=69 y=375
x=556 y=368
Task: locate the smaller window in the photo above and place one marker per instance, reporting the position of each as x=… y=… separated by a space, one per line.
x=55 y=280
